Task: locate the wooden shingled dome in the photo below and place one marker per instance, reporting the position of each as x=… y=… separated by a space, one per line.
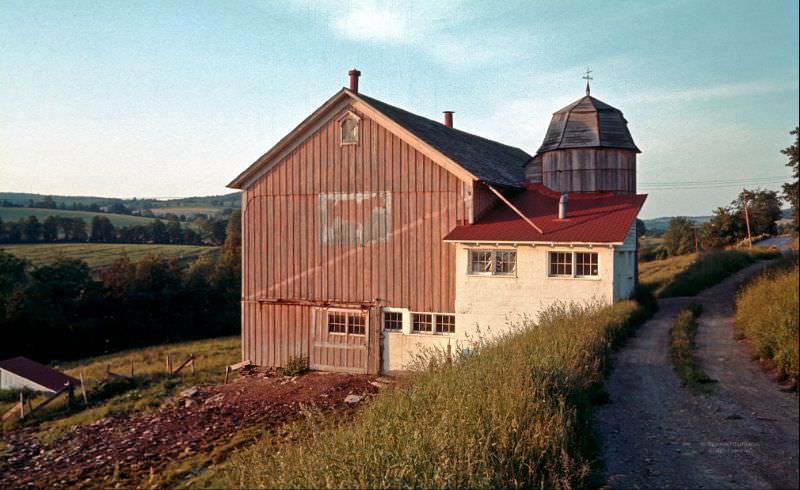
x=588 y=123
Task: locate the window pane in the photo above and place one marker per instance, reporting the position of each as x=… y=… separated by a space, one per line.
x=422 y=322
x=356 y=324
x=445 y=324
x=505 y=262
x=392 y=320
x=480 y=261
x=586 y=264
x=337 y=322
x=560 y=263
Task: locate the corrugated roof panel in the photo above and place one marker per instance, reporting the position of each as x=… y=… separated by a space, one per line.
x=591 y=218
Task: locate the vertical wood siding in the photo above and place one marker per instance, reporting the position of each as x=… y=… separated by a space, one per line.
x=355 y=224
x=590 y=170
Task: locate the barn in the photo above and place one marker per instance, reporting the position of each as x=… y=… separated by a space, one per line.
x=370 y=232
x=20 y=373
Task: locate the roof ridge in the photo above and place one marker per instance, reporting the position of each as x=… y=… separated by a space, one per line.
x=447 y=128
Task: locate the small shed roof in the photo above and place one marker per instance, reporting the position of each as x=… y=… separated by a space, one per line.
x=591 y=218
x=588 y=123
x=38 y=373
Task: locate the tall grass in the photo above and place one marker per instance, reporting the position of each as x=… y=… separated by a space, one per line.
x=682 y=347
x=767 y=314
x=514 y=413
x=710 y=268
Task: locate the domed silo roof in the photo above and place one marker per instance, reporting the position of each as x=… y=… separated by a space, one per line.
x=588 y=123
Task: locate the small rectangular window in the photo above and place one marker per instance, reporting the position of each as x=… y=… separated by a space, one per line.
x=356 y=324
x=445 y=324
x=422 y=322
x=505 y=262
x=561 y=263
x=494 y=262
x=586 y=264
x=392 y=321
x=337 y=322
x=480 y=262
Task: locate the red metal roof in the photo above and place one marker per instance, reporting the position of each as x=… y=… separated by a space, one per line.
x=591 y=218
x=38 y=373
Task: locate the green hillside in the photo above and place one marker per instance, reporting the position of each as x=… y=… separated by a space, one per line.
x=102 y=254
x=209 y=204
x=14 y=214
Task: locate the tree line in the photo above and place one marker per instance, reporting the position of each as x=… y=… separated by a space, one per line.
x=60 y=229
x=65 y=311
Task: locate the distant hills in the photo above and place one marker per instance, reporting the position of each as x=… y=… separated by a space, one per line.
x=659 y=225
x=209 y=205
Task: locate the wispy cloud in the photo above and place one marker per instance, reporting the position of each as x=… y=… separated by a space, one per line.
x=449 y=32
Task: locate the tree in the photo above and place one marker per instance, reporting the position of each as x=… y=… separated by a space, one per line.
x=102 y=230
x=50 y=229
x=721 y=230
x=78 y=230
x=764 y=210
x=159 y=232
x=679 y=238
x=31 y=230
x=790 y=189
x=641 y=228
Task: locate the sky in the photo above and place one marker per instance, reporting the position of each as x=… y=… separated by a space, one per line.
x=173 y=99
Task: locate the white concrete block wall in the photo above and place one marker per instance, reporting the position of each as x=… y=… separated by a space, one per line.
x=486 y=305
x=489 y=303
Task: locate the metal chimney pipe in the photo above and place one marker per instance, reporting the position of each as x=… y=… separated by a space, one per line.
x=354 y=74
x=448 y=119
x=562 y=206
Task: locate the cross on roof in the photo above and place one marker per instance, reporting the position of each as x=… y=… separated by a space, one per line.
x=587 y=76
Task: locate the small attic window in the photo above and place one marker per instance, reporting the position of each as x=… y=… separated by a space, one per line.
x=348 y=129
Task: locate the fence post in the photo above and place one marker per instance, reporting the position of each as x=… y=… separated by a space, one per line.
x=227 y=371
x=83 y=392
x=21 y=406
x=193 y=363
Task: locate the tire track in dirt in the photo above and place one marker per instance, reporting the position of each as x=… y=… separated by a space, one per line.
x=655 y=434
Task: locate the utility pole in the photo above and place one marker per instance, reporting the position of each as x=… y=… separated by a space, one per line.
x=747 y=221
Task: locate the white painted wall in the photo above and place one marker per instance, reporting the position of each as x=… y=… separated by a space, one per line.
x=490 y=303
x=487 y=305
x=10 y=381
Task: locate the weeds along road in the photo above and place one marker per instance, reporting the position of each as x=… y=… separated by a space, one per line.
x=655 y=434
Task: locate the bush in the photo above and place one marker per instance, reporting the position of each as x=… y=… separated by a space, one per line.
x=294 y=366
x=515 y=412
x=767 y=314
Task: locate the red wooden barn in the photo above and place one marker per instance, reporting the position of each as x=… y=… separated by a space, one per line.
x=369 y=232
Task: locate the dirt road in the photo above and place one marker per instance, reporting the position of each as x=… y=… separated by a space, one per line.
x=655 y=434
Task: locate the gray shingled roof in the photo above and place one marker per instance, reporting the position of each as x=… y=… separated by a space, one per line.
x=588 y=123
x=490 y=161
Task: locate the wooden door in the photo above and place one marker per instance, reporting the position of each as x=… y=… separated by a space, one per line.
x=340 y=340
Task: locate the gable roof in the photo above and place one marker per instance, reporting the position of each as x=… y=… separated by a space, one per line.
x=490 y=161
x=588 y=123
x=591 y=218
x=483 y=159
x=38 y=373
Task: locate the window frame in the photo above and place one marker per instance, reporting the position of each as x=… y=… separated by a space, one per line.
x=347 y=314
x=349 y=116
x=573 y=256
x=434 y=319
x=493 y=261
x=596 y=265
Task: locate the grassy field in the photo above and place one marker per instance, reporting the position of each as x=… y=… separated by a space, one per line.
x=102 y=254
x=686 y=275
x=150 y=388
x=14 y=214
x=186 y=211
x=655 y=274
x=681 y=350
x=767 y=315
x=513 y=413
